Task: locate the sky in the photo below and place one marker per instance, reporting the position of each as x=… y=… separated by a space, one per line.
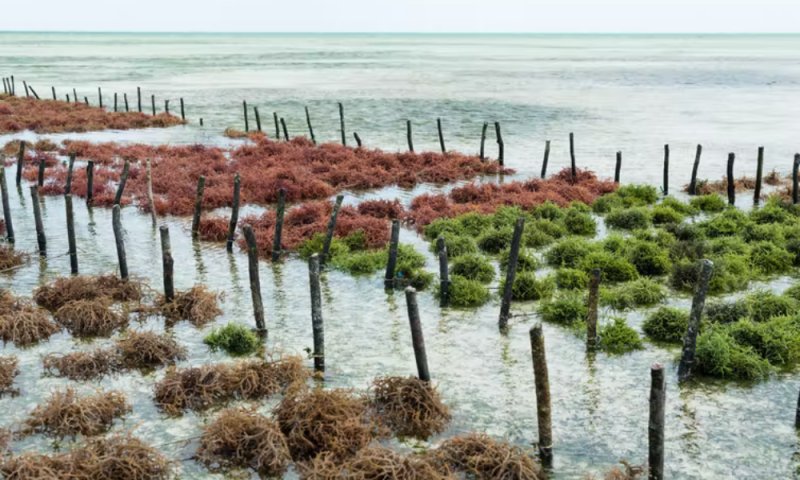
x=529 y=16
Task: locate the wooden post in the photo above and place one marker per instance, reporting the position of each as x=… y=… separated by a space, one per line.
x=409 y=136
x=500 y=144
x=310 y=128
x=731 y=181
x=693 y=182
x=277 y=126
x=797 y=414
x=591 y=317
x=572 y=156
x=6 y=206
x=153 y=103
x=68 y=100
x=276 y=238
x=54 y=92
x=341 y=123
x=86 y=101
x=258 y=118
x=441 y=134
x=285 y=132
x=483 y=140
x=542 y=382
x=255 y=281
x=546 y=158
x=37 y=216
x=316 y=314
x=89 y=181
x=246 y=121
x=417 y=338
x=120 y=241
x=74 y=95
x=698 y=302
x=100 y=97
x=36 y=95
x=655 y=428
x=665 y=188
x=358 y=139
x=391 y=264
x=759 y=169
x=150 y=202
x=167 y=263
x=326 y=247
x=618 y=167
x=183 y=111
x=20 y=161
x=234 y=212
x=444 y=273
x=42 y=165
x=27 y=93
x=511 y=274
x=125 y=98
x=13 y=86
x=123 y=179
x=73 y=249
x=198 y=205
x=115 y=102
x=70 y=166
x=201 y=121
x=166 y=106
x=795 y=165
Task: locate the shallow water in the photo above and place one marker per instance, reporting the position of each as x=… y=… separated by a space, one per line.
x=614 y=92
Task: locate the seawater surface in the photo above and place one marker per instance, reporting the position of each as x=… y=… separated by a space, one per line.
x=629 y=93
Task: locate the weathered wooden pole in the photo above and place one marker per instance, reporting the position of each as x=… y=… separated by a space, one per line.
x=167 y=264
x=441 y=134
x=246 y=120
x=6 y=206
x=70 y=167
x=341 y=123
x=444 y=273
x=37 y=216
x=542 y=382
x=731 y=181
x=183 y=111
x=591 y=317
x=500 y=144
x=698 y=303
x=391 y=264
x=655 y=428
x=795 y=166
x=150 y=201
x=73 y=249
x=234 y=212
x=36 y=95
x=316 y=313
x=258 y=118
x=125 y=98
x=54 y=92
x=123 y=179
x=120 y=242
x=74 y=95
x=310 y=128
x=89 y=181
x=13 y=86
x=277 y=126
x=153 y=103
x=546 y=158
x=20 y=160
x=618 y=167
x=483 y=140
x=42 y=165
x=358 y=139
x=417 y=338
x=573 y=167
x=693 y=182
x=201 y=121
x=285 y=132
x=277 y=246
x=27 y=93
x=166 y=106
x=100 y=97
x=665 y=188
x=409 y=136
x=255 y=281
x=326 y=247
x=86 y=101
x=198 y=205
x=511 y=274
x=759 y=171
x=115 y=102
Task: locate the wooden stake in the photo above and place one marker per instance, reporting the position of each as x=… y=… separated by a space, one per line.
x=698 y=303
x=54 y=92
x=167 y=264
x=655 y=428
x=500 y=144
x=441 y=134
x=759 y=169
x=797 y=414
x=100 y=97
x=276 y=239
x=37 y=216
x=27 y=93
x=166 y=106
x=358 y=139
x=255 y=282
x=417 y=338
x=483 y=140
x=89 y=181
x=42 y=166
x=341 y=123
x=391 y=265
x=183 y=111
x=591 y=317
x=277 y=126
x=316 y=314
x=795 y=166
x=201 y=121
x=73 y=249
x=572 y=156
x=150 y=201
x=234 y=212
x=75 y=95
x=34 y=92
x=258 y=118
x=326 y=247
x=6 y=206
x=115 y=102
x=246 y=120
x=86 y=101
x=731 y=181
x=310 y=128
x=125 y=98
x=120 y=241
x=693 y=182
x=20 y=160
x=444 y=273
x=511 y=274
x=542 y=382
x=198 y=205
x=285 y=132
x=618 y=167
x=123 y=179
x=409 y=136
x=665 y=188
x=153 y=103
x=70 y=166
x=546 y=158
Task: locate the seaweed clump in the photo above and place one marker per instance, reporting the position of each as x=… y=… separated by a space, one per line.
x=667 y=324
x=480 y=457
x=409 y=406
x=10 y=258
x=24 y=324
x=90 y=318
x=80 y=365
x=64 y=290
x=616 y=337
x=373 y=462
x=198 y=305
x=8 y=370
x=234 y=338
x=67 y=414
x=240 y=438
x=147 y=350
x=467 y=293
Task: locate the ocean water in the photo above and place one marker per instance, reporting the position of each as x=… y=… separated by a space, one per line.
x=628 y=93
